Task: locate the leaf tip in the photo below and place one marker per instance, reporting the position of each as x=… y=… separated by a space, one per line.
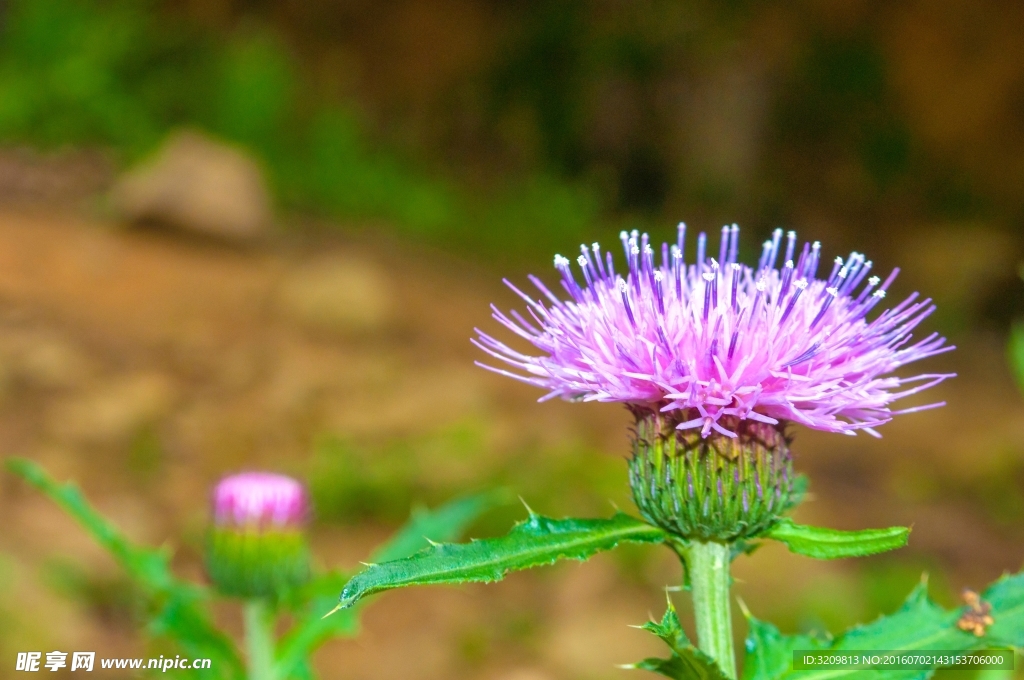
x=743 y=608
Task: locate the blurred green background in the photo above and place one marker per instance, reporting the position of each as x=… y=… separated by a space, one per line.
x=415 y=152
x=512 y=128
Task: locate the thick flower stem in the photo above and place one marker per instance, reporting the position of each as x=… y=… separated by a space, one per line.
x=259 y=639
x=708 y=567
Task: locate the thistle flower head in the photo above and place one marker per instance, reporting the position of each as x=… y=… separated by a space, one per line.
x=257 y=545
x=713 y=341
x=259 y=498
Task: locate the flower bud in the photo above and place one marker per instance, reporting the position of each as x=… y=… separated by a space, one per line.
x=717 y=488
x=257 y=546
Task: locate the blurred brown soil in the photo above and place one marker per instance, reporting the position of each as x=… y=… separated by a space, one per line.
x=236 y=358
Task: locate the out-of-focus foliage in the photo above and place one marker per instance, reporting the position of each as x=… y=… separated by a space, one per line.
x=176 y=611
x=1015 y=349
x=1017 y=352
x=523 y=128
x=121 y=74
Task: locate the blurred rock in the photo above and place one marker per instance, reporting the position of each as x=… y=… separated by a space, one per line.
x=113 y=412
x=345 y=295
x=197 y=184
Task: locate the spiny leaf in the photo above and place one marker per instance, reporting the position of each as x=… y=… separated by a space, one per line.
x=532 y=543
x=317 y=598
x=830 y=544
x=686 y=662
x=669 y=629
x=175 y=606
x=919 y=624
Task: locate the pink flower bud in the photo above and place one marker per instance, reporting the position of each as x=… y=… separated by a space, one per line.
x=256 y=547
x=261 y=498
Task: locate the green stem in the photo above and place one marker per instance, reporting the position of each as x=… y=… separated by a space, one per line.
x=259 y=639
x=708 y=568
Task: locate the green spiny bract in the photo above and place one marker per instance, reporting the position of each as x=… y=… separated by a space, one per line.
x=716 y=488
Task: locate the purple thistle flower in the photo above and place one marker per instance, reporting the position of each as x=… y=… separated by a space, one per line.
x=259 y=499
x=714 y=342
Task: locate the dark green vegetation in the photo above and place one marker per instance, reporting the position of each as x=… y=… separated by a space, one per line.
x=120 y=74
x=537 y=124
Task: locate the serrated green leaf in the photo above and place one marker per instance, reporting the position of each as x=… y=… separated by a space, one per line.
x=175 y=607
x=919 y=624
x=830 y=544
x=318 y=597
x=669 y=629
x=535 y=542
x=686 y=662
x=1007 y=599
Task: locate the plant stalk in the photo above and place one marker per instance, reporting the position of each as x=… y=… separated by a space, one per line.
x=259 y=639
x=708 y=568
